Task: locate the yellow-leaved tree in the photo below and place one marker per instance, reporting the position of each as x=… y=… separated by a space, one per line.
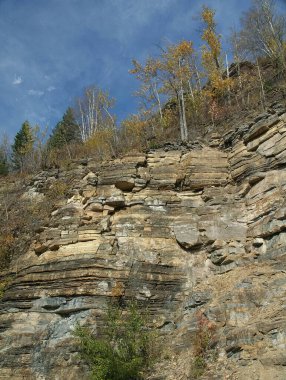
x=176 y=72
x=211 y=55
x=150 y=88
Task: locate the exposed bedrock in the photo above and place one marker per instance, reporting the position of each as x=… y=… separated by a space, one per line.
x=182 y=230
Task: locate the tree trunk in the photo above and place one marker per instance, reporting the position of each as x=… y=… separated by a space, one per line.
x=181 y=118
x=262 y=86
x=183 y=108
x=228 y=87
x=158 y=101
x=184 y=116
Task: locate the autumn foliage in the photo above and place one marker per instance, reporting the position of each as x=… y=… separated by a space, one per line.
x=184 y=91
x=203 y=345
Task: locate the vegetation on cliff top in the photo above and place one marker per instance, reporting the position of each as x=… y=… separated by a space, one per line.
x=183 y=92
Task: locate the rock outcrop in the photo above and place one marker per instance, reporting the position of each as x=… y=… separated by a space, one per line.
x=183 y=230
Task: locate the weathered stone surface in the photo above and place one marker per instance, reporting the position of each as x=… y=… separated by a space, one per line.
x=164 y=169
x=187 y=235
x=203 y=168
x=186 y=230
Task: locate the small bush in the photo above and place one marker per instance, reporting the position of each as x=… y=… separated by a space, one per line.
x=3 y=285
x=123 y=351
x=6 y=245
x=202 y=346
x=58 y=190
x=20 y=217
x=198 y=367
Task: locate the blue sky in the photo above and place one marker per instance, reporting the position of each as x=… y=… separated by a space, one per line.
x=52 y=49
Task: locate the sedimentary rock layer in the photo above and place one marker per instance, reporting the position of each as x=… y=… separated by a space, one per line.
x=182 y=231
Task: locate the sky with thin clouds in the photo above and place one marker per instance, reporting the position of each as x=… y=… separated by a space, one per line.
x=51 y=50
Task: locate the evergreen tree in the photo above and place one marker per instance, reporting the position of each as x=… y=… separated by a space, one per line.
x=3 y=165
x=65 y=132
x=23 y=146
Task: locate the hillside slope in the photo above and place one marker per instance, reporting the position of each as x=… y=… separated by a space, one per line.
x=190 y=230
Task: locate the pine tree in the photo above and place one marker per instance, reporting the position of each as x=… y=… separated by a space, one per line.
x=65 y=132
x=23 y=146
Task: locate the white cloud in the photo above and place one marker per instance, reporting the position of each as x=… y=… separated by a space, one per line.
x=35 y=92
x=17 y=80
x=51 y=88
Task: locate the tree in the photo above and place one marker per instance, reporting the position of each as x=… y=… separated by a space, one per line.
x=176 y=74
x=238 y=57
x=150 y=83
x=133 y=132
x=93 y=112
x=263 y=32
x=211 y=54
x=65 y=133
x=23 y=146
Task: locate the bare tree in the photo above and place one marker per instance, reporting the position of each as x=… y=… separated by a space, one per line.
x=263 y=31
x=93 y=112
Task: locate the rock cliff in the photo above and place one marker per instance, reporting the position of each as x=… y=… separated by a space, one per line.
x=182 y=228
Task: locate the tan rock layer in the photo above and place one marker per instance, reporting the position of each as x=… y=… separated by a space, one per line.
x=182 y=231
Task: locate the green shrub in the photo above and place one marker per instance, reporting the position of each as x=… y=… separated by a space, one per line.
x=123 y=351
x=198 y=367
x=3 y=285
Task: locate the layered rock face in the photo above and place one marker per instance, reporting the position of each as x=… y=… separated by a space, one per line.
x=182 y=230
